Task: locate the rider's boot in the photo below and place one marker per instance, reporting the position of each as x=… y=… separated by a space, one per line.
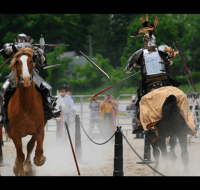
x=50 y=110
x=138 y=127
x=6 y=93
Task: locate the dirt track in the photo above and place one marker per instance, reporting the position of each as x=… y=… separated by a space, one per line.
x=97 y=160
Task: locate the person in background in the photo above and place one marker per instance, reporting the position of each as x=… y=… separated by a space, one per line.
x=66 y=102
x=67 y=105
x=94 y=116
x=108 y=112
x=69 y=92
x=71 y=114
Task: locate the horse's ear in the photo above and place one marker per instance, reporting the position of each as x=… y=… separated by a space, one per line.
x=15 y=50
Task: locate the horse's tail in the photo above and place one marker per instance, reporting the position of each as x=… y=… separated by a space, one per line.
x=172 y=121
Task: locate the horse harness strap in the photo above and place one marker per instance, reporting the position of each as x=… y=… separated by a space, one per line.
x=156 y=85
x=156 y=78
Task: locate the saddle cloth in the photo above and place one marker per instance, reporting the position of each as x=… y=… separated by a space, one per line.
x=151 y=106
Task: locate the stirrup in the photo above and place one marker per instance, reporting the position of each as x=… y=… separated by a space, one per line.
x=56 y=112
x=52 y=114
x=138 y=128
x=1 y=119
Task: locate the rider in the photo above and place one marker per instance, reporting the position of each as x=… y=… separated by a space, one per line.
x=154 y=63
x=7 y=89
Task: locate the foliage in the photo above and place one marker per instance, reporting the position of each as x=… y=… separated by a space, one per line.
x=88 y=77
x=109 y=33
x=183 y=78
x=57 y=76
x=111 y=43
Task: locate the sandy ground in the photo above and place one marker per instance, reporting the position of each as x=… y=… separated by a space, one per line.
x=97 y=160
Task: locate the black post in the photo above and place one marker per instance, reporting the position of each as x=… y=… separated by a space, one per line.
x=147 y=151
x=1 y=153
x=78 y=149
x=118 y=153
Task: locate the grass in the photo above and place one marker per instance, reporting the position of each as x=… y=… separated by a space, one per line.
x=186 y=88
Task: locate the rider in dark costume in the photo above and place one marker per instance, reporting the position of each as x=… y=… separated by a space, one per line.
x=154 y=62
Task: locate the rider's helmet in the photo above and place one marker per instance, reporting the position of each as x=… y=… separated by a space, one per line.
x=21 y=38
x=149 y=41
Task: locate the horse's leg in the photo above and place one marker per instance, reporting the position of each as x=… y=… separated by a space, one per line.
x=184 y=153
x=162 y=145
x=156 y=155
x=18 y=168
x=172 y=143
x=27 y=163
x=39 y=158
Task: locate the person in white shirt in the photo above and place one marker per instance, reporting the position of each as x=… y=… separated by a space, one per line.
x=67 y=104
x=72 y=119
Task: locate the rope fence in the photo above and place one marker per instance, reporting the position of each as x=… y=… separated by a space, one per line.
x=119 y=129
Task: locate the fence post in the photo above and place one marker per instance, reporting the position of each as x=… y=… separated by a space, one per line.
x=118 y=153
x=1 y=152
x=1 y=134
x=147 y=151
x=78 y=149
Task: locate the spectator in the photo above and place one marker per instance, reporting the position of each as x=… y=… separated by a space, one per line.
x=94 y=116
x=67 y=104
x=71 y=115
x=69 y=92
x=108 y=112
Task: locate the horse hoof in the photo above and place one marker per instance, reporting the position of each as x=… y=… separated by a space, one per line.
x=40 y=162
x=15 y=170
x=28 y=170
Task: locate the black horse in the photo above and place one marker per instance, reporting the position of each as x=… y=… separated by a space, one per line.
x=171 y=125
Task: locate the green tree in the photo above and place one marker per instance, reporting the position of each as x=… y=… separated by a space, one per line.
x=88 y=77
x=56 y=28
x=191 y=41
x=57 y=76
x=109 y=33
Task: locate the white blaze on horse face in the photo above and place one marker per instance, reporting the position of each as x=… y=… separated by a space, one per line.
x=25 y=71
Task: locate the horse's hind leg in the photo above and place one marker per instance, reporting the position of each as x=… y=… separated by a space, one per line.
x=156 y=155
x=184 y=153
x=39 y=158
x=27 y=163
x=172 y=143
x=18 y=167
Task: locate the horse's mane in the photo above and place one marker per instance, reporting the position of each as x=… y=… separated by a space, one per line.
x=26 y=50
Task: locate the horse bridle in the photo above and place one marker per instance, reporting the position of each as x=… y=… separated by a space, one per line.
x=20 y=75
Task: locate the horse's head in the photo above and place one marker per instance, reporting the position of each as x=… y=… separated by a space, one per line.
x=23 y=65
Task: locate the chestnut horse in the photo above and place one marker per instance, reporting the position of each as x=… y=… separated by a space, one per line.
x=25 y=113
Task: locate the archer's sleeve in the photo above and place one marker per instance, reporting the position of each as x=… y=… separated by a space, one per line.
x=39 y=57
x=133 y=61
x=165 y=55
